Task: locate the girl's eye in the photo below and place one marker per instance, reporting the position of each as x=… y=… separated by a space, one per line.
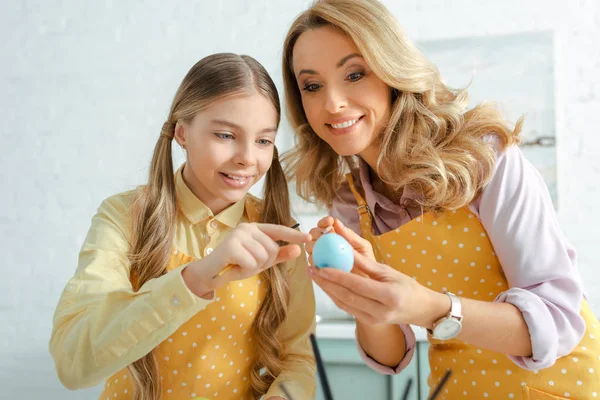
x=225 y=136
x=311 y=87
x=264 y=142
x=355 y=76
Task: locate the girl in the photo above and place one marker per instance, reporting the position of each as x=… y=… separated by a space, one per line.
x=151 y=305
x=457 y=230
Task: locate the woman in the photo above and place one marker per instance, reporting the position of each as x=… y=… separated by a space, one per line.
x=453 y=228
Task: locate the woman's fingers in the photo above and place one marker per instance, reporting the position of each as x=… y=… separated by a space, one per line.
x=355 y=312
x=369 y=266
x=325 y=222
x=315 y=234
x=357 y=242
x=348 y=296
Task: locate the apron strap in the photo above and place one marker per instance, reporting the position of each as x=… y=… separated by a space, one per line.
x=364 y=212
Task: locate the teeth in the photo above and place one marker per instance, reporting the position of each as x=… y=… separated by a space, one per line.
x=345 y=124
x=237 y=178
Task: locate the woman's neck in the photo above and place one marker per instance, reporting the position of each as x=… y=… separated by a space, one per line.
x=378 y=184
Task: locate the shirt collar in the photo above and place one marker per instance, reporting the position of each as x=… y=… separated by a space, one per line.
x=196 y=211
x=374 y=198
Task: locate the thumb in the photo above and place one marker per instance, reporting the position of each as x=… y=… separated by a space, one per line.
x=355 y=240
x=287 y=253
x=368 y=265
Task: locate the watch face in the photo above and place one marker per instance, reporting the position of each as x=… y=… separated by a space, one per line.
x=447 y=329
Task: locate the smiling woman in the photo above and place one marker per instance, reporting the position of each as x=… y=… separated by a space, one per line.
x=453 y=229
x=345 y=102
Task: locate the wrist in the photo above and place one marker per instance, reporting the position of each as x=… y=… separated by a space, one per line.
x=437 y=305
x=195 y=281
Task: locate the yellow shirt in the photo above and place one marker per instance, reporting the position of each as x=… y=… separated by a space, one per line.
x=101 y=325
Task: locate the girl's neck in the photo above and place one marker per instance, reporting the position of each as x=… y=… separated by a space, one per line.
x=216 y=205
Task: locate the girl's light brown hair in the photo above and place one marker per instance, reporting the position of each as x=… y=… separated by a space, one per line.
x=431 y=144
x=155 y=213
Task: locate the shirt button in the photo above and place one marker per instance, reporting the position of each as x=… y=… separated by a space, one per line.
x=214 y=223
x=175 y=301
x=208 y=250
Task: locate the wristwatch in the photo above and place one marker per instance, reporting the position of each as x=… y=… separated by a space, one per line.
x=449 y=327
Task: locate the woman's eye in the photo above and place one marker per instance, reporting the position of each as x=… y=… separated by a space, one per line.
x=355 y=76
x=311 y=87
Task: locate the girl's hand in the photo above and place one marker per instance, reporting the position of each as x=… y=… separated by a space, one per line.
x=330 y=224
x=379 y=294
x=251 y=248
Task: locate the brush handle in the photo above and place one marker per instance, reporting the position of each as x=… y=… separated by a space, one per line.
x=321 y=368
x=439 y=387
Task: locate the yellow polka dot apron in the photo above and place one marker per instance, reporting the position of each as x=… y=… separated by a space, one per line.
x=451 y=252
x=210 y=355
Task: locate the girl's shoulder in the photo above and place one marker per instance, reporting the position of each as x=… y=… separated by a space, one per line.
x=120 y=202
x=116 y=211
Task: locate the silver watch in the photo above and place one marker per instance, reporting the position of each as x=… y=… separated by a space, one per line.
x=449 y=327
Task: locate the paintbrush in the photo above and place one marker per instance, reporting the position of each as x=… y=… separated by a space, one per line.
x=438 y=389
x=407 y=390
x=321 y=368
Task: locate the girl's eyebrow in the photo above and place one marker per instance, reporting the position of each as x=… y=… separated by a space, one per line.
x=238 y=127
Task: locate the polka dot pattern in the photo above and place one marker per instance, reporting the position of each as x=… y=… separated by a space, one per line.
x=452 y=252
x=210 y=355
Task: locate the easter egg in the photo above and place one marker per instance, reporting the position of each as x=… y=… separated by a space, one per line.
x=332 y=250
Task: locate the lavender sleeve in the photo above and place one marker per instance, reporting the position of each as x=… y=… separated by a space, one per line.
x=516 y=210
x=344 y=209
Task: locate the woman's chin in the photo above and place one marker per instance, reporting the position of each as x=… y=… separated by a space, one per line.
x=348 y=149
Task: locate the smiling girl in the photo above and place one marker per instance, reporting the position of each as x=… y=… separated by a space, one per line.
x=148 y=310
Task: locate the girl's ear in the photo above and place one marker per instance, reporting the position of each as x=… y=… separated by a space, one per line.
x=180 y=134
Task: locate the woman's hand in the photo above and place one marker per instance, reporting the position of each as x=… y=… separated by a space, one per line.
x=378 y=294
x=251 y=248
x=330 y=224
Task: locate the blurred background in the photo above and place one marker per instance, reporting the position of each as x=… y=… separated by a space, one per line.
x=86 y=86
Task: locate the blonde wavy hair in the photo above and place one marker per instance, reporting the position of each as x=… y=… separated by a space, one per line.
x=155 y=212
x=431 y=143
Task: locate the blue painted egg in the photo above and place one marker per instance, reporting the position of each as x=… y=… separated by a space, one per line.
x=332 y=250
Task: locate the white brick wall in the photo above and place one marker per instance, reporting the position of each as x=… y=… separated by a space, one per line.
x=85 y=86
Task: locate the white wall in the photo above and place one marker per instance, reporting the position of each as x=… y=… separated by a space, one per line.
x=85 y=87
